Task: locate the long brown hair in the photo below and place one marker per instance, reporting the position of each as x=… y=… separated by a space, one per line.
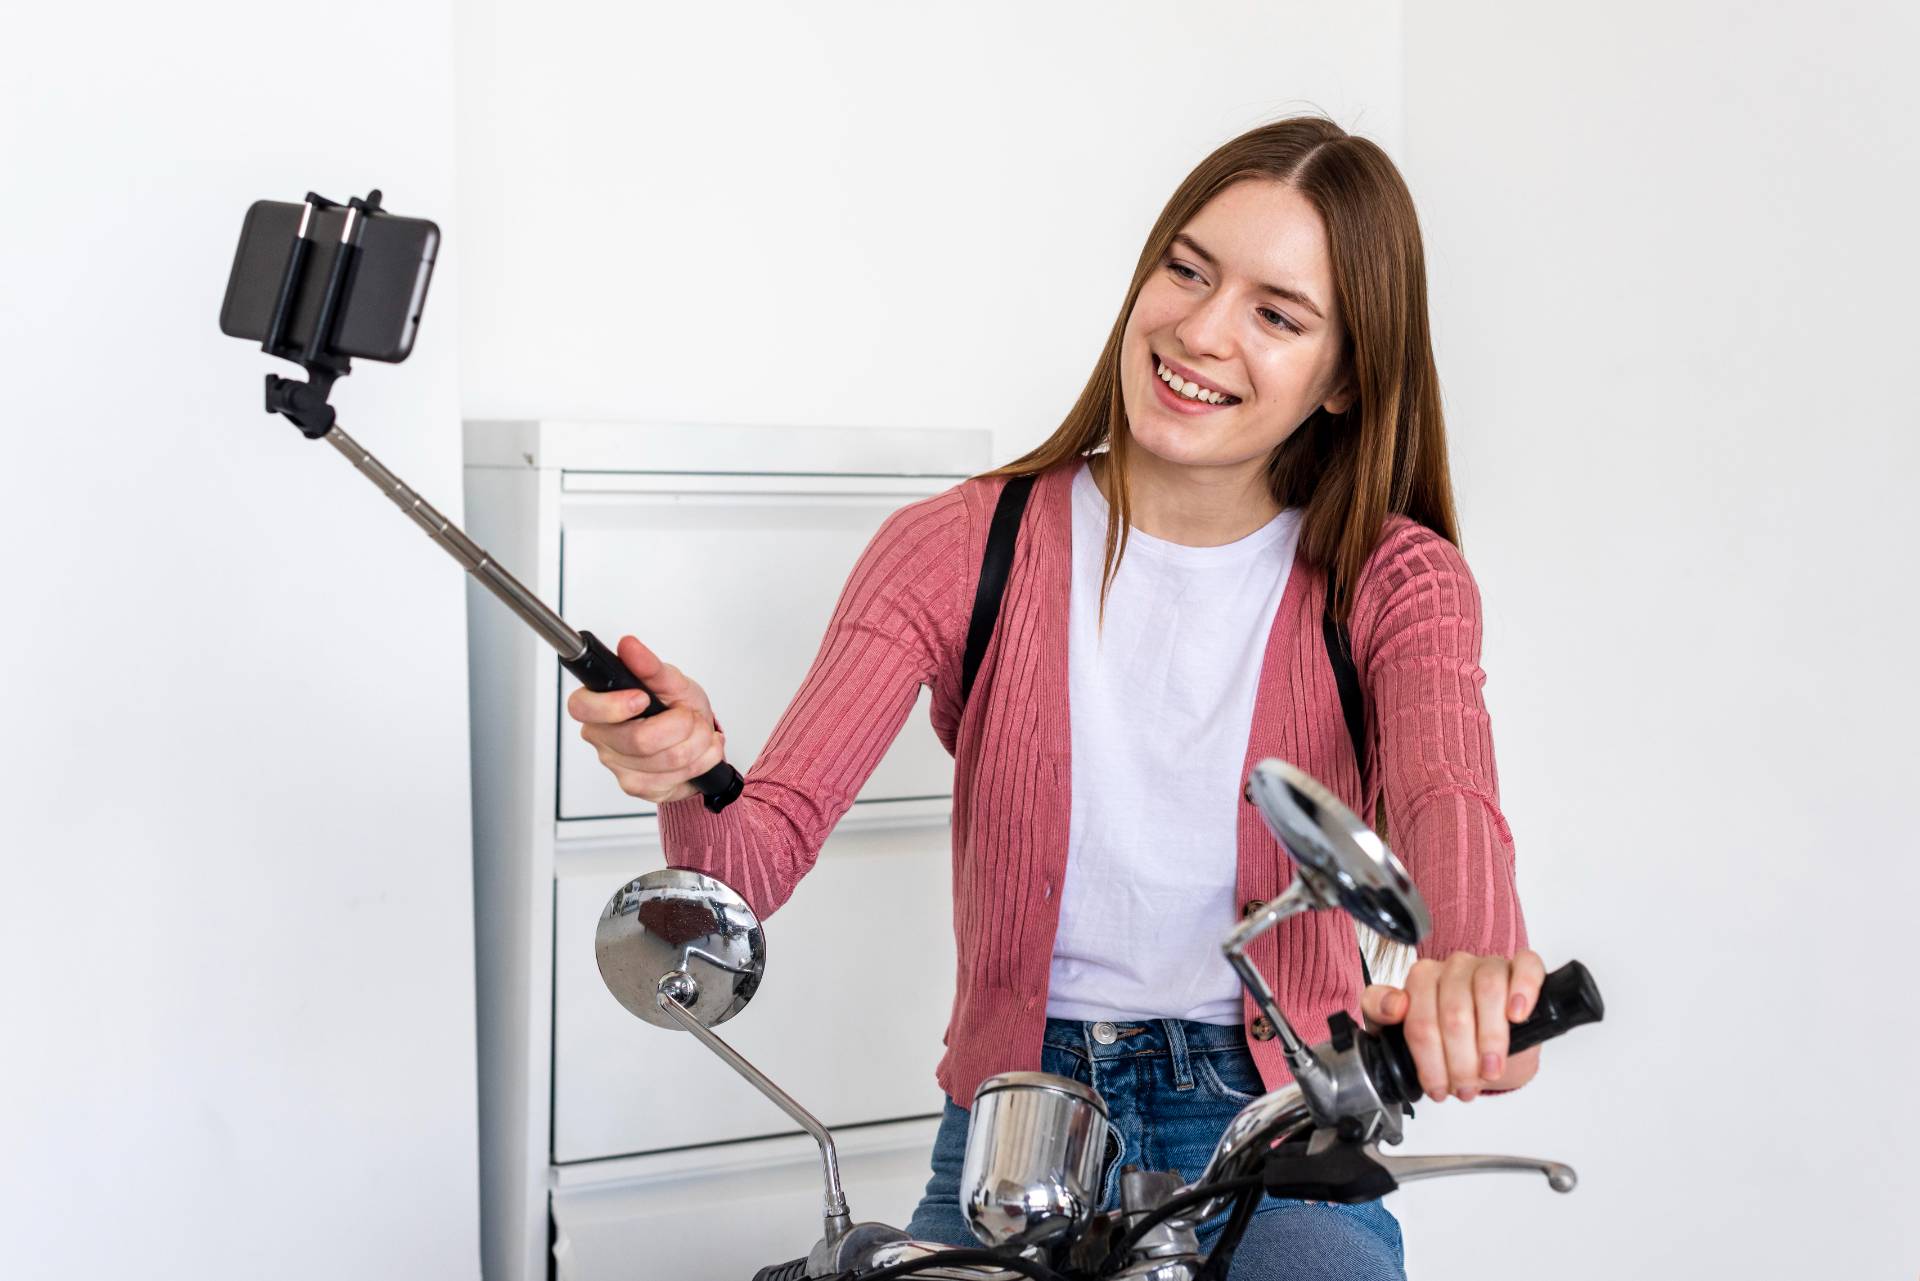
x=1388 y=452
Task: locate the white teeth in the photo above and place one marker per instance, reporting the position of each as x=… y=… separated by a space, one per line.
x=1192 y=391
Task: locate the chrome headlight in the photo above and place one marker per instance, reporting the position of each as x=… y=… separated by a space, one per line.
x=1035 y=1147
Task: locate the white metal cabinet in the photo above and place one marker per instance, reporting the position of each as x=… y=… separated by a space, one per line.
x=725 y=549
x=744 y=618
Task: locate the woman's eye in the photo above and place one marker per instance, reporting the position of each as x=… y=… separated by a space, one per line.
x=1279 y=319
x=1178 y=267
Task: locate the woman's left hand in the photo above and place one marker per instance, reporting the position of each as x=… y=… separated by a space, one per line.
x=1456 y=1012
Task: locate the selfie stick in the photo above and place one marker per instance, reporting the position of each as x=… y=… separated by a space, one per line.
x=305 y=404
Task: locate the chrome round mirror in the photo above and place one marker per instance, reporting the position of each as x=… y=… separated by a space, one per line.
x=1340 y=858
x=684 y=930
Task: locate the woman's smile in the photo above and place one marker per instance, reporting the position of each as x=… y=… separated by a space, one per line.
x=1183 y=395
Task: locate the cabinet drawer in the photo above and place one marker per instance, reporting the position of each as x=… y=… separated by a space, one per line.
x=732 y=579
x=849 y=1019
x=722 y=1214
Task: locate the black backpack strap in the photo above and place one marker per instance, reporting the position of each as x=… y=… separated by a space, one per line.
x=993 y=576
x=1353 y=703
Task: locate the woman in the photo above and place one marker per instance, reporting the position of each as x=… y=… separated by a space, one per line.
x=1263 y=421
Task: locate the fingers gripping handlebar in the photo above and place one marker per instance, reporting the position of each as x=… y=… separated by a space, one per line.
x=1569 y=998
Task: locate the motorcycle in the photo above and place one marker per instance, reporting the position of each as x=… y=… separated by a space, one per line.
x=682 y=950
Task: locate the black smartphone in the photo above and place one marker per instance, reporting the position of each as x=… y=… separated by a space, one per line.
x=385 y=288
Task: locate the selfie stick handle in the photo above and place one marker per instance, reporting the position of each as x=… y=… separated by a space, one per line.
x=582 y=653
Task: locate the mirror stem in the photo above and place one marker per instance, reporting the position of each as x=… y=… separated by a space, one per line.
x=678 y=988
x=1316 y=1083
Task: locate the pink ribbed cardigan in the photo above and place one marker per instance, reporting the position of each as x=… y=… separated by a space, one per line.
x=901 y=623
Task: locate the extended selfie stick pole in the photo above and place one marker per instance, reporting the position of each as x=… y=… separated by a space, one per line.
x=305 y=404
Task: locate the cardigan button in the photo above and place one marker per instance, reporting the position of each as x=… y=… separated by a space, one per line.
x=1261 y=1029
x=1253 y=906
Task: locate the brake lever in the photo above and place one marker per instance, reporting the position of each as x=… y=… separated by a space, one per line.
x=1560 y=1177
x=1329 y=1168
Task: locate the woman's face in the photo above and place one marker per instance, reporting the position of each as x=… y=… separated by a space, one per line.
x=1207 y=315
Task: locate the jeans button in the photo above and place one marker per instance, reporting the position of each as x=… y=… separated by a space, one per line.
x=1104 y=1033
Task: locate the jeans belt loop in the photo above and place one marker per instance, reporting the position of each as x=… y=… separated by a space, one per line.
x=1177 y=1051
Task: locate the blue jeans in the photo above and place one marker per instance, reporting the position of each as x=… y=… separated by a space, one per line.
x=1170 y=1087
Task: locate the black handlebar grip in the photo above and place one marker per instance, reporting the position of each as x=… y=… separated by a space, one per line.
x=792 y=1270
x=600 y=670
x=1568 y=998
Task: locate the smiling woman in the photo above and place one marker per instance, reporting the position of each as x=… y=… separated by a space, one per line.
x=1270 y=381
x=1264 y=424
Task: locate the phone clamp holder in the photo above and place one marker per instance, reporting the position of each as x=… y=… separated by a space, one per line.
x=305 y=403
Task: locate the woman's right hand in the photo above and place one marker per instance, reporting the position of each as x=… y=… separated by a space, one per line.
x=652 y=758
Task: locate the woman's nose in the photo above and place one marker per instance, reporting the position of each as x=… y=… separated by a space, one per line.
x=1206 y=330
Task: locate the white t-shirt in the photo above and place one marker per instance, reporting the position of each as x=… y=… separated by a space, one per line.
x=1161 y=706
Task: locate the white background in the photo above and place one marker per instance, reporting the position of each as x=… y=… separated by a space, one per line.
x=1670 y=261
x=1672 y=265
x=236 y=935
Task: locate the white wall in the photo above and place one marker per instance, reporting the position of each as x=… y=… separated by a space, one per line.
x=1673 y=267
x=856 y=213
x=236 y=995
